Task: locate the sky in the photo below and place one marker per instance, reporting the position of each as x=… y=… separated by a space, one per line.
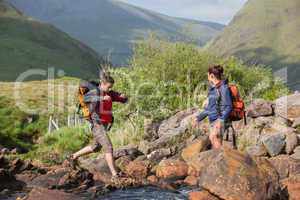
x=220 y=11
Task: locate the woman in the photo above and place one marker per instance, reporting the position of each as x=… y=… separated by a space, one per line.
x=219 y=105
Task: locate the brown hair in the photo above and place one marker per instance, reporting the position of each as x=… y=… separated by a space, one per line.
x=216 y=70
x=107 y=78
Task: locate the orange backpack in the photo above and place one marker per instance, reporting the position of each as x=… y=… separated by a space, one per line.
x=84 y=88
x=238 y=106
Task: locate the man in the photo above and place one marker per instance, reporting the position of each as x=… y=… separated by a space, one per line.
x=100 y=107
x=219 y=105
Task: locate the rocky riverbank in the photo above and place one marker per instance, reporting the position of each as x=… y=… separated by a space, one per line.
x=266 y=164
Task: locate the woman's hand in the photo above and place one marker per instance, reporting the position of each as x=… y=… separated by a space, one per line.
x=205 y=103
x=195 y=122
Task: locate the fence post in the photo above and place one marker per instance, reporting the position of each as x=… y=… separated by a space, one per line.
x=69 y=120
x=50 y=124
x=55 y=124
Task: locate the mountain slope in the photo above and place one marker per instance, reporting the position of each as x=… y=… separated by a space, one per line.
x=267 y=32
x=28 y=44
x=112 y=27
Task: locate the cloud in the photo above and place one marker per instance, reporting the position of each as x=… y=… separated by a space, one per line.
x=220 y=11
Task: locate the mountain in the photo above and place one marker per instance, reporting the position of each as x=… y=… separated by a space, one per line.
x=29 y=44
x=111 y=27
x=265 y=32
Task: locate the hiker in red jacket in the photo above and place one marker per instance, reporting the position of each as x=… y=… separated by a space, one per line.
x=100 y=102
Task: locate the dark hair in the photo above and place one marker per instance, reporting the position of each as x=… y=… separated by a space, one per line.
x=216 y=70
x=107 y=78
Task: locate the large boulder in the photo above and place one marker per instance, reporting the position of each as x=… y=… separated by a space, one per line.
x=9 y=182
x=151 y=130
x=171 y=169
x=249 y=135
x=138 y=169
x=292 y=186
x=50 y=179
x=274 y=143
x=259 y=108
x=46 y=194
x=98 y=167
x=178 y=123
x=18 y=165
x=194 y=148
x=129 y=150
x=285 y=166
x=191 y=180
x=159 y=154
x=291 y=141
x=123 y=162
x=95 y=165
x=76 y=179
x=63 y=178
x=201 y=195
x=296 y=122
x=199 y=163
x=296 y=154
x=257 y=150
x=172 y=132
x=232 y=175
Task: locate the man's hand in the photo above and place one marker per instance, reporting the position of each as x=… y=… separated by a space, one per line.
x=123 y=96
x=106 y=98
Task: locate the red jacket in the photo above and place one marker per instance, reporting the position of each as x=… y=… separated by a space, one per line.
x=105 y=106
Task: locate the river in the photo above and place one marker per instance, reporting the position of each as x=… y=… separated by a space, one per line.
x=144 y=193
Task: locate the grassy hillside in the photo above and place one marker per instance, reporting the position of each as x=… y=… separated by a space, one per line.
x=28 y=44
x=60 y=94
x=112 y=27
x=265 y=31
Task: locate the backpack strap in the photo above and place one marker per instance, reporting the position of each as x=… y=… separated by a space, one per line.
x=245 y=119
x=218 y=91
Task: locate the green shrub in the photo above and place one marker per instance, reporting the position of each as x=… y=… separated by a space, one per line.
x=164 y=77
x=55 y=146
x=18 y=129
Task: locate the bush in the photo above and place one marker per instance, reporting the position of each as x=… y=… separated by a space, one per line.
x=56 y=146
x=18 y=129
x=164 y=77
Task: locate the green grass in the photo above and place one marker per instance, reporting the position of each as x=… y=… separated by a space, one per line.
x=18 y=129
x=56 y=146
x=61 y=93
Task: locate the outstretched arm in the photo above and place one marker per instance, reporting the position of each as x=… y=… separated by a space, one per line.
x=202 y=115
x=118 y=97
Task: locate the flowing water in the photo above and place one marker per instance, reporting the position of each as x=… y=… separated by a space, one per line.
x=146 y=193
